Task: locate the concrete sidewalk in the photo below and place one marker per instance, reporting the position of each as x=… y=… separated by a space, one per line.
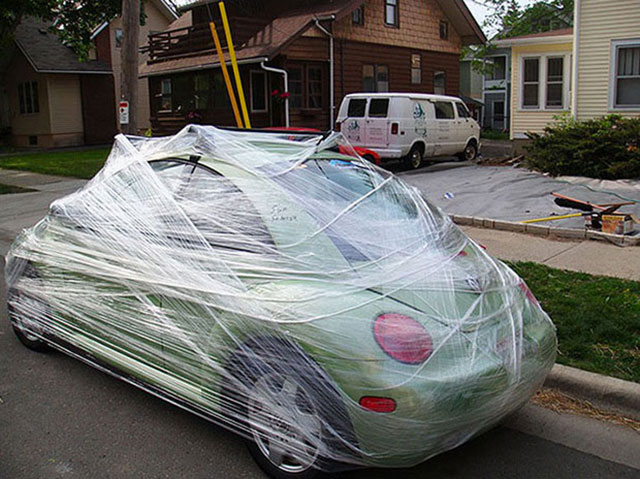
x=587 y=256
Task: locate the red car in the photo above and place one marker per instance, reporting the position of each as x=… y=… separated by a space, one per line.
x=365 y=153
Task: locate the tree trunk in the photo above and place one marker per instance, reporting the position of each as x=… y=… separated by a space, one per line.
x=129 y=57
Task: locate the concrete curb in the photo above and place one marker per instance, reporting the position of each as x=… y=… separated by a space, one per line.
x=607 y=393
x=545 y=231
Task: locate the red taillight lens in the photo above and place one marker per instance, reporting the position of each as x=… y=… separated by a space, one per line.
x=337 y=126
x=403 y=338
x=525 y=289
x=377 y=404
x=394 y=128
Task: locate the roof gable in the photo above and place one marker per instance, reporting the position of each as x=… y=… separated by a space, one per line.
x=47 y=54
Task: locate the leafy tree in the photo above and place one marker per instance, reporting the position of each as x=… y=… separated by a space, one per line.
x=509 y=19
x=72 y=20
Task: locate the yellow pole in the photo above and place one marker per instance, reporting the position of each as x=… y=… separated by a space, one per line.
x=552 y=218
x=234 y=65
x=225 y=74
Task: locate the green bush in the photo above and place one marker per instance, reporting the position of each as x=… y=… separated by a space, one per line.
x=607 y=148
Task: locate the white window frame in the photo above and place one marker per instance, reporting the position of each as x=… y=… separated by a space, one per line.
x=506 y=69
x=613 y=74
x=266 y=96
x=542 y=81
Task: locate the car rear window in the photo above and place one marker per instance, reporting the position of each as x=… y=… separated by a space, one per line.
x=379 y=107
x=444 y=110
x=357 y=107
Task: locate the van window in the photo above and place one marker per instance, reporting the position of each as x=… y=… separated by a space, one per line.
x=357 y=107
x=379 y=107
x=462 y=111
x=444 y=110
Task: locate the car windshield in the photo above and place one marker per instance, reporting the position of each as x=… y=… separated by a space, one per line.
x=367 y=213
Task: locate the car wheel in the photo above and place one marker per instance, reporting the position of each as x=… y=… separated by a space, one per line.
x=296 y=423
x=413 y=160
x=369 y=158
x=470 y=152
x=22 y=308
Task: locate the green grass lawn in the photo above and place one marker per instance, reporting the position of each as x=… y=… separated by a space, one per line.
x=6 y=189
x=76 y=163
x=494 y=135
x=598 y=318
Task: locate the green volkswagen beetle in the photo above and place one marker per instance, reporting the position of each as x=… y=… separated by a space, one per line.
x=295 y=294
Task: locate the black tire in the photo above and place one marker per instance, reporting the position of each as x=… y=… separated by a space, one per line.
x=470 y=152
x=273 y=367
x=20 y=329
x=19 y=317
x=413 y=160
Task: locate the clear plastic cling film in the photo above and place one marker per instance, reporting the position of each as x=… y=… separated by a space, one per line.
x=287 y=289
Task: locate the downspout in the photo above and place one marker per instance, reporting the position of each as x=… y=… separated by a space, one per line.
x=576 y=48
x=332 y=106
x=286 y=88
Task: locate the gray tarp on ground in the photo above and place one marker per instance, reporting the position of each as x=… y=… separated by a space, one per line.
x=515 y=194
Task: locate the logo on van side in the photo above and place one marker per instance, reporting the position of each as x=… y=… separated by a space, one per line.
x=420 y=118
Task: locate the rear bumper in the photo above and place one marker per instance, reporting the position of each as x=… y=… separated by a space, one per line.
x=437 y=413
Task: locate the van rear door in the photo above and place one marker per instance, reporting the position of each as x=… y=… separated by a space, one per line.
x=354 y=125
x=377 y=131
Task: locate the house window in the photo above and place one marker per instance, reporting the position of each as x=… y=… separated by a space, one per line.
x=305 y=86
x=118 y=37
x=391 y=12
x=165 y=95
x=295 y=87
x=444 y=29
x=626 y=71
x=531 y=83
x=375 y=78
x=28 y=99
x=439 y=83
x=258 y=91
x=497 y=69
x=416 y=69
x=555 y=82
x=357 y=16
x=202 y=92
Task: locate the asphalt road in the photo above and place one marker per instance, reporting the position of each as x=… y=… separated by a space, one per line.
x=61 y=419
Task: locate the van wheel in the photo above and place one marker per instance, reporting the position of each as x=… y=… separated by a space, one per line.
x=413 y=160
x=470 y=152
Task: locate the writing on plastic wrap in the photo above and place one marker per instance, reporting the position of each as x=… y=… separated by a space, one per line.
x=304 y=298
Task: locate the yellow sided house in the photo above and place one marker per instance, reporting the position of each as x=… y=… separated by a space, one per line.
x=589 y=71
x=540 y=79
x=607 y=58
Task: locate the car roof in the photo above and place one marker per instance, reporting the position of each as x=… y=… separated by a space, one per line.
x=422 y=96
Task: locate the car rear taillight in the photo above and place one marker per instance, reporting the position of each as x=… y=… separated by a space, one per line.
x=378 y=404
x=337 y=126
x=403 y=338
x=394 y=128
x=527 y=292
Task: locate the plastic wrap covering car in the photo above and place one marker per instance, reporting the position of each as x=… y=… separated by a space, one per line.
x=304 y=298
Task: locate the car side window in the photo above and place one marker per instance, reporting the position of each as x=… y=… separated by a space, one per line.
x=173 y=173
x=379 y=107
x=444 y=110
x=462 y=110
x=357 y=107
x=224 y=214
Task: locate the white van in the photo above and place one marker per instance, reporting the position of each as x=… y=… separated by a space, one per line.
x=409 y=126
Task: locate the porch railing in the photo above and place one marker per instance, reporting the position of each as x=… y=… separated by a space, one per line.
x=197 y=39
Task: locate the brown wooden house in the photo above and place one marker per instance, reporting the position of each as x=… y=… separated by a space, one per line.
x=375 y=45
